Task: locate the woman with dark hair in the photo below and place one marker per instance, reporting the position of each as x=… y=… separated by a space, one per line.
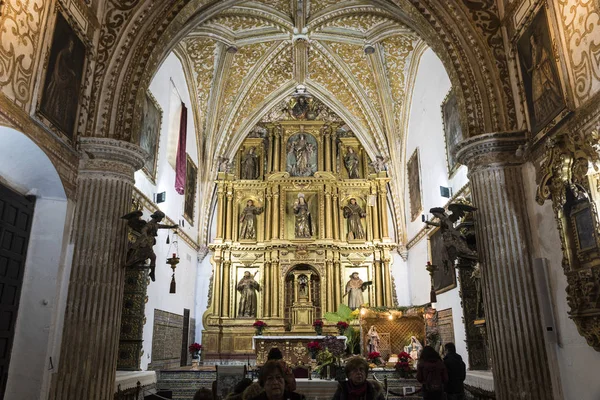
x=357 y=387
x=290 y=381
x=272 y=379
x=432 y=374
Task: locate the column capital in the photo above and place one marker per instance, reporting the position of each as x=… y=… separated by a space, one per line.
x=105 y=156
x=491 y=149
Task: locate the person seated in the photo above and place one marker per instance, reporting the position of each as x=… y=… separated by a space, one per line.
x=203 y=394
x=238 y=390
x=272 y=379
x=290 y=380
x=357 y=387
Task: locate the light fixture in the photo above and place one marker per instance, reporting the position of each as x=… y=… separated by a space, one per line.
x=363 y=311
x=173 y=261
x=390 y=317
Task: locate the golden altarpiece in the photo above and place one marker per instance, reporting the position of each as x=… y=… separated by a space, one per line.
x=300 y=211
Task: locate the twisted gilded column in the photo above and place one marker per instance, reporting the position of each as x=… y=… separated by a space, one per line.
x=90 y=339
x=521 y=362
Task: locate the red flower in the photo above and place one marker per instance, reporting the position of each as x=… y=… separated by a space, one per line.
x=314 y=345
x=342 y=325
x=404 y=355
x=194 y=347
x=318 y=322
x=373 y=355
x=259 y=324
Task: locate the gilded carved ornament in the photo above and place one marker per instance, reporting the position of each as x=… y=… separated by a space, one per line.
x=565 y=181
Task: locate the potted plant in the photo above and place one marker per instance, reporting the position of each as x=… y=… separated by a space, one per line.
x=318 y=325
x=259 y=326
x=345 y=314
x=403 y=366
x=313 y=347
x=375 y=358
x=195 y=349
x=342 y=326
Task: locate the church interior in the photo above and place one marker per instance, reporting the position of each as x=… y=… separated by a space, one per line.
x=188 y=184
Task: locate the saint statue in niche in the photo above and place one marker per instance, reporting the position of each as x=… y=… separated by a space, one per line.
x=302 y=223
x=354 y=289
x=301 y=155
x=248 y=220
x=351 y=163
x=247 y=287
x=545 y=92
x=353 y=213
x=250 y=169
x=374 y=339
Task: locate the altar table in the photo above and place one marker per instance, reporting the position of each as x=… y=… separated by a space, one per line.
x=293 y=347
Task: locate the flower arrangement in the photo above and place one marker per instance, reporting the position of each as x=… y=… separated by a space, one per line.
x=194 y=348
x=259 y=324
x=342 y=325
x=318 y=323
x=403 y=366
x=375 y=358
x=313 y=346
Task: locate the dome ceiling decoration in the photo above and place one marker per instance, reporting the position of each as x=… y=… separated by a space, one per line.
x=357 y=59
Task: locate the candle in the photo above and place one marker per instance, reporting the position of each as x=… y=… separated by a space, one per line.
x=174 y=255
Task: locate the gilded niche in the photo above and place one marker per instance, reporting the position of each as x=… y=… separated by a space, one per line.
x=575 y=196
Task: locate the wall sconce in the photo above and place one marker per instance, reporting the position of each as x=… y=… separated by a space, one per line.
x=173 y=261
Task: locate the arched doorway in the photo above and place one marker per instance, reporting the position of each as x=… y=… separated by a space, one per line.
x=32 y=193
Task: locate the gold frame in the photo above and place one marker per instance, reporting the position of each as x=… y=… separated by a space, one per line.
x=414 y=214
x=190 y=218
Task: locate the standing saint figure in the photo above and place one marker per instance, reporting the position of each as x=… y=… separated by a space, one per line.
x=141 y=250
x=248 y=220
x=247 y=287
x=299 y=157
x=353 y=213
x=545 y=92
x=414 y=348
x=351 y=163
x=250 y=168
x=354 y=290
x=374 y=339
x=303 y=223
x=61 y=95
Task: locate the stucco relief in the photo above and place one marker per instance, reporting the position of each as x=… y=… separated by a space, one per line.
x=356 y=60
x=238 y=23
x=359 y=22
x=580 y=21
x=19 y=43
x=485 y=17
x=318 y=6
x=201 y=53
x=243 y=61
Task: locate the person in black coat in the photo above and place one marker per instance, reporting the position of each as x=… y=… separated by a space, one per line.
x=457 y=372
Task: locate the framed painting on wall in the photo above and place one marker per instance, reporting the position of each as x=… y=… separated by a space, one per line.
x=443 y=280
x=150 y=133
x=191 y=180
x=453 y=133
x=414 y=185
x=539 y=73
x=62 y=85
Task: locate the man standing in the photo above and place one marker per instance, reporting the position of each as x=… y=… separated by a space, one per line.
x=457 y=373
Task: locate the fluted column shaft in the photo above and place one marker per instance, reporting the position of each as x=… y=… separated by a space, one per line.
x=225 y=306
x=90 y=341
x=521 y=362
x=229 y=213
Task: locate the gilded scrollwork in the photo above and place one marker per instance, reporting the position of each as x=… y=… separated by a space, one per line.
x=20 y=39
x=580 y=22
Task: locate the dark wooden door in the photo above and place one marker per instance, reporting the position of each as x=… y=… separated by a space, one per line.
x=16 y=214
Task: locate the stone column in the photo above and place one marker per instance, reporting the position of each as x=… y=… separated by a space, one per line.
x=521 y=362
x=90 y=338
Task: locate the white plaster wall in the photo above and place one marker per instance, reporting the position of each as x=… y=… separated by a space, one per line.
x=578 y=363
x=170 y=74
x=425 y=132
x=38 y=329
x=399 y=271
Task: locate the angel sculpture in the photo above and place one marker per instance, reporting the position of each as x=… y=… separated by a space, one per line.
x=141 y=250
x=455 y=244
